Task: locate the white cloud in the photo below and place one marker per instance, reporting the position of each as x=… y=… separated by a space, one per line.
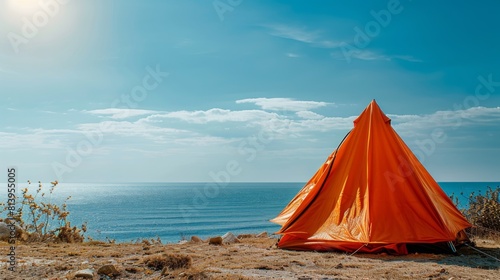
x=235 y=125
x=126 y=128
x=54 y=132
x=203 y=140
x=309 y=115
x=369 y=55
x=293 y=33
x=302 y=35
x=215 y=115
x=363 y=54
x=120 y=113
x=145 y=130
x=41 y=138
x=480 y=112
x=324 y=124
x=406 y=58
x=410 y=125
x=314 y=39
x=283 y=104
x=451 y=119
x=292 y=55
x=24 y=141
x=51 y=112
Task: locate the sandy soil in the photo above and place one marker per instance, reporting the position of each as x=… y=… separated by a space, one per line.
x=253 y=258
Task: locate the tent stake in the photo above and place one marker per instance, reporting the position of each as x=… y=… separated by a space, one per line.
x=452 y=247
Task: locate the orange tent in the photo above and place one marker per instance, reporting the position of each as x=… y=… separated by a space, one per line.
x=371 y=195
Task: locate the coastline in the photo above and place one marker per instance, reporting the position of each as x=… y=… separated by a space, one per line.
x=251 y=258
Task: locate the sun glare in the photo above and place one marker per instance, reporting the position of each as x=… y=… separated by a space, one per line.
x=23 y=6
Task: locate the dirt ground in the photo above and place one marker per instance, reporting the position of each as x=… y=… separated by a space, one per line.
x=252 y=258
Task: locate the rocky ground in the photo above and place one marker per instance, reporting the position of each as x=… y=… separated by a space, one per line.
x=252 y=258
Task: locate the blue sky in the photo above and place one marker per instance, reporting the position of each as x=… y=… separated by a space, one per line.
x=119 y=91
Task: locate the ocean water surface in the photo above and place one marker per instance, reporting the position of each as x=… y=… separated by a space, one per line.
x=172 y=211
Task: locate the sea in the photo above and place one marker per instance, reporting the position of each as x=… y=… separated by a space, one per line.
x=128 y=212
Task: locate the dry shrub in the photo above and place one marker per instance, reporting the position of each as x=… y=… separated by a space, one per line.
x=170 y=261
x=44 y=221
x=484 y=210
x=70 y=234
x=95 y=243
x=198 y=275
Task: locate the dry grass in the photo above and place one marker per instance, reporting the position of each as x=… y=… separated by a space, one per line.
x=254 y=258
x=170 y=261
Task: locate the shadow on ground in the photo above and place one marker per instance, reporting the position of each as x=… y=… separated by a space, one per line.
x=469 y=257
x=465 y=257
